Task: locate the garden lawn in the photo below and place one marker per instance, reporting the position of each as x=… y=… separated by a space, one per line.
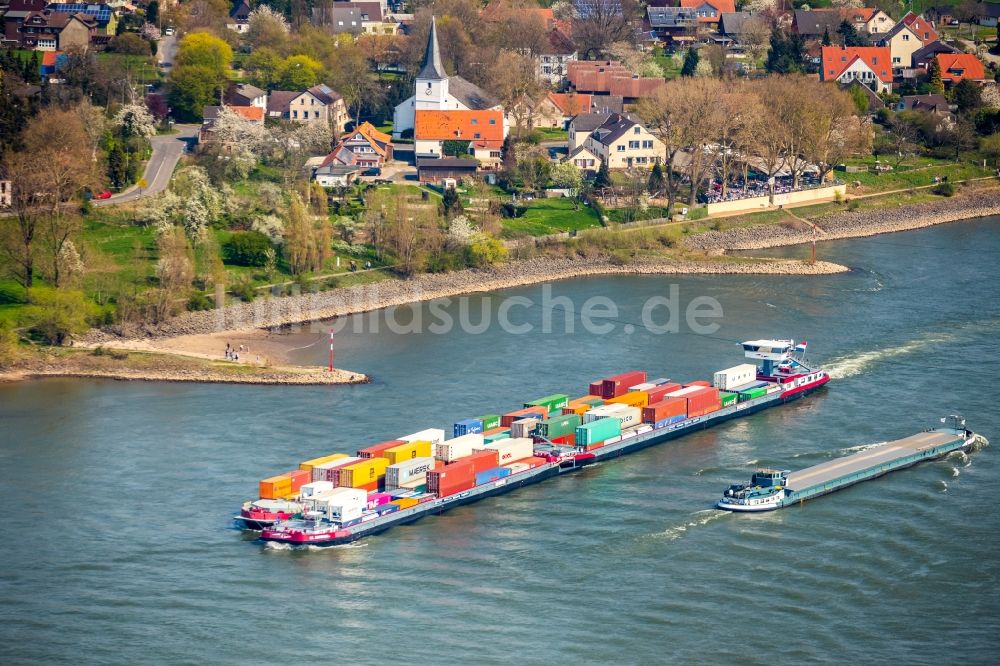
x=549 y=216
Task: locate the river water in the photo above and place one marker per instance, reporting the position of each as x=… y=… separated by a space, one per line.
x=118 y=496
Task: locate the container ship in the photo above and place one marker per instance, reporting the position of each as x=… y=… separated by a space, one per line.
x=340 y=497
x=770 y=489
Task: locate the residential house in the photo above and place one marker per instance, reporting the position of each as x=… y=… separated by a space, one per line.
x=105 y=16
x=244 y=94
x=49 y=30
x=902 y=42
x=13 y=18
x=211 y=113
x=923 y=56
x=624 y=144
x=335 y=175
x=868 y=20
x=709 y=12
x=923 y=28
x=484 y=130
x=6 y=193
x=364 y=147
x=584 y=159
x=582 y=125
x=869 y=65
x=988 y=13
x=319 y=104
x=354 y=18
x=956 y=67
x=814 y=23
x=239 y=17
x=672 y=24
x=434 y=170
x=434 y=90
x=610 y=77
x=936 y=104
x=551 y=64
x=732 y=24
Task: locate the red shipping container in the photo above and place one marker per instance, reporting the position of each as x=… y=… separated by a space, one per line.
x=656 y=394
x=700 y=382
x=617 y=385
x=595 y=388
x=664 y=410
x=463 y=469
x=594 y=446
x=370 y=487
x=374 y=450
x=533 y=462
x=566 y=440
x=527 y=412
x=300 y=477
x=703 y=402
x=453 y=489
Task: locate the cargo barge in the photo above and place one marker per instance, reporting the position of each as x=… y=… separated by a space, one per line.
x=770 y=489
x=493 y=455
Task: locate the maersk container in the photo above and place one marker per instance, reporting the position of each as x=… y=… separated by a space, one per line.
x=433 y=435
x=459 y=447
x=418 y=448
x=523 y=427
x=529 y=412
x=489 y=475
x=618 y=384
x=735 y=376
x=407 y=471
x=499 y=434
x=467 y=427
x=559 y=426
x=512 y=450
x=550 y=402
x=727 y=398
x=598 y=431
x=490 y=421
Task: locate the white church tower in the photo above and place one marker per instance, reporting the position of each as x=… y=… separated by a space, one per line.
x=431 y=90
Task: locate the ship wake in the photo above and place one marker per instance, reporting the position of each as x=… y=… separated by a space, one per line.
x=697 y=519
x=851 y=366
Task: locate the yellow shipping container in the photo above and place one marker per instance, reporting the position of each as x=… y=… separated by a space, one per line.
x=406 y=502
x=276 y=487
x=363 y=472
x=416 y=449
x=309 y=464
x=633 y=399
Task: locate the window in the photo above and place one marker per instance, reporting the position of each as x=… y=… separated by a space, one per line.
x=906 y=37
x=621 y=147
x=647 y=143
x=475 y=121
x=636 y=130
x=633 y=145
x=875 y=60
x=493 y=121
x=295 y=114
x=895 y=60
x=316 y=114
x=477 y=135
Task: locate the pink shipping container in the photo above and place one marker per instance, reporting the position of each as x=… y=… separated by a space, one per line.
x=617 y=385
x=378 y=499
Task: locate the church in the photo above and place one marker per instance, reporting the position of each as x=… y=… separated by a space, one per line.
x=434 y=90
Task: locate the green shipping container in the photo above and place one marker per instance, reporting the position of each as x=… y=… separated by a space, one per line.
x=552 y=402
x=496 y=437
x=490 y=421
x=559 y=426
x=598 y=431
x=750 y=394
x=727 y=398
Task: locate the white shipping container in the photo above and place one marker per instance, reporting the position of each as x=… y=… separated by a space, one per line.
x=522 y=427
x=315 y=488
x=641 y=387
x=345 y=504
x=321 y=472
x=513 y=449
x=459 y=447
x=433 y=435
x=518 y=467
x=410 y=470
x=604 y=411
x=735 y=376
x=630 y=416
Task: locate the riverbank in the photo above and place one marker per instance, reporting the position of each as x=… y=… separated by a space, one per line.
x=133 y=363
x=852 y=224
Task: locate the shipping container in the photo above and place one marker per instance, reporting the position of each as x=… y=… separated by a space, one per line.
x=727 y=398
x=408 y=471
x=418 y=448
x=626 y=415
x=378 y=499
x=665 y=409
x=602 y=412
x=645 y=386
x=512 y=450
x=597 y=431
x=523 y=427
x=558 y=426
x=565 y=440
x=618 y=384
x=534 y=462
x=328 y=471
x=276 y=487
x=703 y=402
x=684 y=392
x=448 y=488
x=527 y=412
x=752 y=393
x=550 y=402
x=634 y=399
x=496 y=435
x=314 y=488
x=405 y=502
x=517 y=467
x=343 y=506
x=363 y=472
x=490 y=421
x=660 y=381
x=738 y=375
x=467 y=427
x=581 y=407
x=433 y=435
x=490 y=475
x=698 y=382
x=459 y=447
x=375 y=450
x=309 y=464
x=658 y=393
x=669 y=420
x=596 y=388
x=387 y=508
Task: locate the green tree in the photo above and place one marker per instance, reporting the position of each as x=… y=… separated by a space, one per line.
x=246 y=248
x=486 y=251
x=192 y=88
x=9 y=352
x=656 y=181
x=203 y=49
x=690 y=63
x=603 y=178
x=56 y=315
x=934 y=75
x=967 y=96
x=299 y=72
x=826 y=37
x=565 y=175
x=849 y=35
x=451 y=203
x=153 y=12
x=263 y=67
x=989 y=146
x=455 y=148
x=129 y=43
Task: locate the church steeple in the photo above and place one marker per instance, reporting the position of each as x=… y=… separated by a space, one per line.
x=432 y=69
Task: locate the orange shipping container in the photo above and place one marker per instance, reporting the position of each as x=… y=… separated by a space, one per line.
x=703 y=402
x=700 y=382
x=276 y=487
x=362 y=473
x=405 y=502
x=664 y=410
x=633 y=399
x=309 y=464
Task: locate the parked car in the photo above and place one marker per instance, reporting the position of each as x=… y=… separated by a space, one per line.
x=106 y=194
x=168 y=32
x=374 y=171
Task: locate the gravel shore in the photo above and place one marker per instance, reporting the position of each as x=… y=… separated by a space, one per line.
x=853 y=224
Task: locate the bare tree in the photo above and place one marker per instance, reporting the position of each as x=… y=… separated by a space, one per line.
x=600 y=23
x=756 y=37
x=834 y=131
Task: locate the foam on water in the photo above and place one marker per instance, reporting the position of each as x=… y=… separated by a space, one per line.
x=851 y=366
x=697 y=519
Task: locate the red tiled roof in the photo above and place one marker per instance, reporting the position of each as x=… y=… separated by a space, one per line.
x=921 y=26
x=458 y=125
x=836 y=59
x=956 y=67
x=571 y=104
x=720 y=6
x=254 y=113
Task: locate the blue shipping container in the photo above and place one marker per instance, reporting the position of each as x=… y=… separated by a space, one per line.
x=491 y=475
x=468 y=427
x=659 y=382
x=386 y=508
x=666 y=422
